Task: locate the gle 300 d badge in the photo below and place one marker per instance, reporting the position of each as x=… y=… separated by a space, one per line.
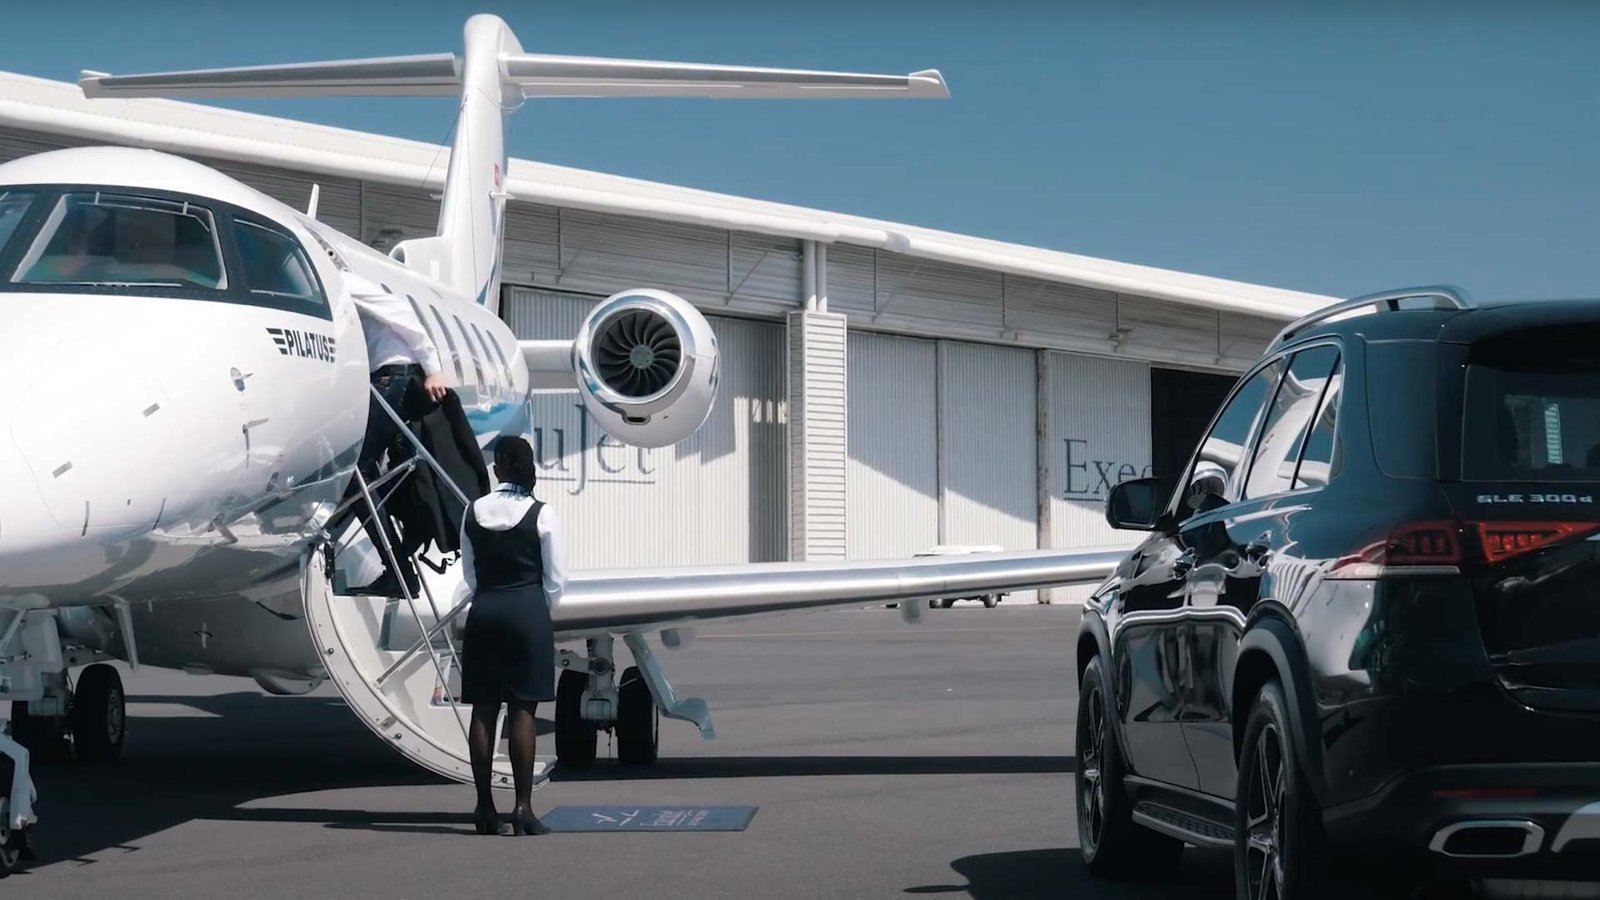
x=307 y=344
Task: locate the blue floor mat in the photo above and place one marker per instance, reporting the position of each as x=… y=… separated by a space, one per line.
x=649 y=818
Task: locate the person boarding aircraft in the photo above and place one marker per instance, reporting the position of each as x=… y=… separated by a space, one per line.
x=199 y=539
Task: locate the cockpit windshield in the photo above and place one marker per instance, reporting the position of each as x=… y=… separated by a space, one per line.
x=13 y=206
x=110 y=239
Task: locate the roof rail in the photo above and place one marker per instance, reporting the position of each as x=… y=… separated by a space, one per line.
x=1443 y=297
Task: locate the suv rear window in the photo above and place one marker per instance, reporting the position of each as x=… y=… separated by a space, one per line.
x=1532 y=409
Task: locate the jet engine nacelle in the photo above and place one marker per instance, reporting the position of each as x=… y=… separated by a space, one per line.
x=646 y=367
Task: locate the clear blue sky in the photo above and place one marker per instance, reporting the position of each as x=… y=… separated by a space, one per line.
x=1335 y=148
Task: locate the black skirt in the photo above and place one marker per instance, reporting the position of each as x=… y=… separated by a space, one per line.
x=508 y=649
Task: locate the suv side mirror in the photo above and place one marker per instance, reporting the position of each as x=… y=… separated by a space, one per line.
x=1137 y=504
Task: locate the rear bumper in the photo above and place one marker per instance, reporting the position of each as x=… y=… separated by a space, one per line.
x=1519 y=820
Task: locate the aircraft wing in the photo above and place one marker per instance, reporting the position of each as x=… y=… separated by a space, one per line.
x=627 y=600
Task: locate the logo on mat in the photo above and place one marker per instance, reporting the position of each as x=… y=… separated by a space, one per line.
x=306 y=344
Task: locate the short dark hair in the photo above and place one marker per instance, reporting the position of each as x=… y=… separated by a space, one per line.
x=514 y=458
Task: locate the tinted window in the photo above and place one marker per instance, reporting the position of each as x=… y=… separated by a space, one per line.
x=102 y=238
x=477 y=362
x=488 y=355
x=1289 y=417
x=1532 y=410
x=501 y=354
x=1319 y=461
x=13 y=206
x=275 y=265
x=455 y=357
x=1224 y=447
x=1401 y=378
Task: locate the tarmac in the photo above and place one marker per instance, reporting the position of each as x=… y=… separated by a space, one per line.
x=887 y=761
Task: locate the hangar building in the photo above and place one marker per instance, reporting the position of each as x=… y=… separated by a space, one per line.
x=885 y=388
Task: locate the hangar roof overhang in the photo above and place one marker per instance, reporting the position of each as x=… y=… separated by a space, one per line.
x=58 y=107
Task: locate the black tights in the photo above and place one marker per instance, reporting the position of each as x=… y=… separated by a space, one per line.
x=481 y=740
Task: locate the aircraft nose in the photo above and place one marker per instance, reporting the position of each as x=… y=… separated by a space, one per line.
x=94 y=440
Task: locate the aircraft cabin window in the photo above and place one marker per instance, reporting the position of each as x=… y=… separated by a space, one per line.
x=488 y=355
x=275 y=264
x=1296 y=404
x=450 y=342
x=13 y=206
x=501 y=355
x=125 y=240
x=426 y=328
x=477 y=362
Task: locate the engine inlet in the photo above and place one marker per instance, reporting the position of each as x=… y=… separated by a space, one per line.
x=637 y=353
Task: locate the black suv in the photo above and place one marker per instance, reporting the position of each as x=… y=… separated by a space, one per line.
x=1365 y=627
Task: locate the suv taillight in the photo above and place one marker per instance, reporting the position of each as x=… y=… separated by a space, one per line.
x=1437 y=547
x=1503 y=540
x=1413 y=545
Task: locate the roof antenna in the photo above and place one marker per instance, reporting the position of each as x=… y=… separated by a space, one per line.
x=311 y=205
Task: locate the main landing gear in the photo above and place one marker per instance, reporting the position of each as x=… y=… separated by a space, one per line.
x=589 y=699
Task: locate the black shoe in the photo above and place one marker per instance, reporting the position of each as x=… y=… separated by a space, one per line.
x=523 y=821
x=487 y=821
x=386 y=585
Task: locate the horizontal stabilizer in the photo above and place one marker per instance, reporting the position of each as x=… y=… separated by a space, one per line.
x=429 y=75
x=535 y=75
x=541 y=75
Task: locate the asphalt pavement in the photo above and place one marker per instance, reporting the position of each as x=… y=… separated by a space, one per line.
x=888 y=761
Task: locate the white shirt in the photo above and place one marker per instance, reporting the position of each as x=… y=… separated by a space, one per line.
x=503 y=509
x=394 y=334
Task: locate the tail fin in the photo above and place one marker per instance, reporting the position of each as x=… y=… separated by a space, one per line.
x=492 y=77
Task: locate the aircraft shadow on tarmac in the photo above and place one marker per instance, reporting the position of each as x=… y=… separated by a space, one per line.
x=213 y=755
x=1054 y=874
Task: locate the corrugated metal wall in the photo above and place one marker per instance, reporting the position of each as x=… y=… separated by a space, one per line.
x=894 y=446
x=987 y=469
x=883 y=290
x=1099 y=435
x=817 y=436
x=718 y=497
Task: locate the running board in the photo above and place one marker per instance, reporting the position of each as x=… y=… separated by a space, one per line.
x=1184 y=826
x=405 y=690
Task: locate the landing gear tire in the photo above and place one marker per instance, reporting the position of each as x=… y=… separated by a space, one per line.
x=99 y=715
x=44 y=736
x=1113 y=846
x=14 y=848
x=1279 y=846
x=990 y=602
x=575 y=738
x=638 y=722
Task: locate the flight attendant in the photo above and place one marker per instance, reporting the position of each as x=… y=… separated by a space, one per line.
x=512 y=559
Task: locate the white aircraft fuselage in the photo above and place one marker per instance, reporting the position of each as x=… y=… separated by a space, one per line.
x=186 y=445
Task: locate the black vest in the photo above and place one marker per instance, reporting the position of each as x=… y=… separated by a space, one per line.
x=507 y=560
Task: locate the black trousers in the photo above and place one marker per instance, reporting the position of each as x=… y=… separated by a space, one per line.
x=401 y=388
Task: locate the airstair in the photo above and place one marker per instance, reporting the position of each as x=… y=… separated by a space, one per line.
x=396 y=660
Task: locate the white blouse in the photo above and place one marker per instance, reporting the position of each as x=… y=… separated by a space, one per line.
x=502 y=509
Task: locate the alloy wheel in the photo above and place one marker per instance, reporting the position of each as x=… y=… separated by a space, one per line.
x=1264 y=816
x=1091 y=783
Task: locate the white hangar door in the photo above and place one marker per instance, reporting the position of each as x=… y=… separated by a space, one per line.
x=717 y=497
x=988 y=447
x=1099 y=435
x=892 y=487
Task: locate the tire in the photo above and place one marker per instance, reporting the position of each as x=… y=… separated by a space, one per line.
x=638 y=722
x=946 y=603
x=1279 y=847
x=990 y=601
x=99 y=715
x=575 y=738
x=1113 y=846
